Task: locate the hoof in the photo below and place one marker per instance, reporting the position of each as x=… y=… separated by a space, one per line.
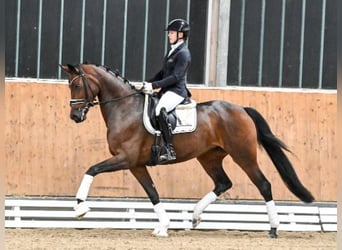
x=81 y=209
x=273 y=233
x=160 y=232
x=196 y=222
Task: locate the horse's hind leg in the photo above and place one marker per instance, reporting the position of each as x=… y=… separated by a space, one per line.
x=145 y=180
x=212 y=164
x=253 y=171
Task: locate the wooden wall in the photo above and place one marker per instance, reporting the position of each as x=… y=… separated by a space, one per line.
x=46 y=153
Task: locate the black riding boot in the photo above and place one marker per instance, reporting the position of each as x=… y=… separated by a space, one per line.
x=166 y=130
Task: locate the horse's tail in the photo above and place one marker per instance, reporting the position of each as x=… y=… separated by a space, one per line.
x=274 y=148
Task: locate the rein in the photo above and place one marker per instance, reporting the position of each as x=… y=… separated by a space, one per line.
x=117 y=99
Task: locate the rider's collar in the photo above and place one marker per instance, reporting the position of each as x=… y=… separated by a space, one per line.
x=175 y=46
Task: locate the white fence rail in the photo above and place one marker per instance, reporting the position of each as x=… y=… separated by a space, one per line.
x=139 y=214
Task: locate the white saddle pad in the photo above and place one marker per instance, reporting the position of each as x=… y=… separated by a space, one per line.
x=186 y=118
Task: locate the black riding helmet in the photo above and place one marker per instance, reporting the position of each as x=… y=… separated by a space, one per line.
x=179 y=25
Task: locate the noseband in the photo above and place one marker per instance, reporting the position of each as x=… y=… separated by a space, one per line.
x=88 y=103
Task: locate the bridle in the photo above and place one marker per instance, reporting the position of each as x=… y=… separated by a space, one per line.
x=87 y=101
x=91 y=102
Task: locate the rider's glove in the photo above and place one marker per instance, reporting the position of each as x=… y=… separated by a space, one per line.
x=137 y=85
x=147 y=88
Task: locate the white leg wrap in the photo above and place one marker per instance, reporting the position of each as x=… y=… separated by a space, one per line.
x=272 y=214
x=164 y=221
x=203 y=203
x=81 y=209
x=83 y=190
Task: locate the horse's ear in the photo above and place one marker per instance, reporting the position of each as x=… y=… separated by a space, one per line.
x=68 y=68
x=64 y=68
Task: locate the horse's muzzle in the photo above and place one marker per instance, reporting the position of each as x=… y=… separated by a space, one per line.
x=79 y=115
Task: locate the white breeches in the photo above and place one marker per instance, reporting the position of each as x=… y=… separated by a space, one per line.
x=169 y=101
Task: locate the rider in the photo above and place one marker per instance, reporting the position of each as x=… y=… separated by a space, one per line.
x=172 y=81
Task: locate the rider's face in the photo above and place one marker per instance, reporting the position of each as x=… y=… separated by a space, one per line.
x=173 y=36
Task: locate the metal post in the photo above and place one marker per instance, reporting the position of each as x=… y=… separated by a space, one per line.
x=61 y=23
x=242 y=31
x=320 y=76
x=301 y=55
x=82 y=30
x=39 y=37
x=17 y=40
x=104 y=25
x=167 y=16
x=261 y=49
x=145 y=41
x=282 y=35
x=124 y=40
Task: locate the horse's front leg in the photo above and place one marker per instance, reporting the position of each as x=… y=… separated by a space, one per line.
x=109 y=165
x=145 y=180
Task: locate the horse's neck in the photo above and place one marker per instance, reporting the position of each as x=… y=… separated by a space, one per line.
x=123 y=114
x=119 y=104
x=111 y=86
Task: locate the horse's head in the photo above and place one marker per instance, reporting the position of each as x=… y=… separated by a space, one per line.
x=83 y=90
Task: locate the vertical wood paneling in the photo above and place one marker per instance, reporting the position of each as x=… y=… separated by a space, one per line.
x=272 y=43
x=13 y=138
x=312 y=45
x=234 y=43
x=93 y=32
x=292 y=43
x=47 y=153
x=252 y=41
x=327 y=125
x=27 y=65
x=10 y=37
x=50 y=39
x=330 y=45
x=72 y=32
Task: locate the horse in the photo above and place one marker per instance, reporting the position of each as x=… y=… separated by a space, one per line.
x=223 y=129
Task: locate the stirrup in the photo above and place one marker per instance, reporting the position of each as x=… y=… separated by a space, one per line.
x=166 y=157
x=170 y=155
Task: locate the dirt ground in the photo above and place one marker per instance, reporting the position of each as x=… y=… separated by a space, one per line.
x=22 y=239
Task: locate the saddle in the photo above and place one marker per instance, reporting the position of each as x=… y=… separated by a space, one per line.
x=183 y=118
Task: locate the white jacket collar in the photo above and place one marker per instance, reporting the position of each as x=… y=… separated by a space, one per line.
x=175 y=46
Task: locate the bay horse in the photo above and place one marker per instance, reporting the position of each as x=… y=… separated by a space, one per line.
x=222 y=129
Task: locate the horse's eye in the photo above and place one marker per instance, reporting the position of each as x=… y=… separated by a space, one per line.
x=77 y=86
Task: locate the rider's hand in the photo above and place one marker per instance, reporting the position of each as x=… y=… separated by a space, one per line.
x=137 y=85
x=147 y=88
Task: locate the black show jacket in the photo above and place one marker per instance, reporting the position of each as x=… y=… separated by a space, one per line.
x=172 y=77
